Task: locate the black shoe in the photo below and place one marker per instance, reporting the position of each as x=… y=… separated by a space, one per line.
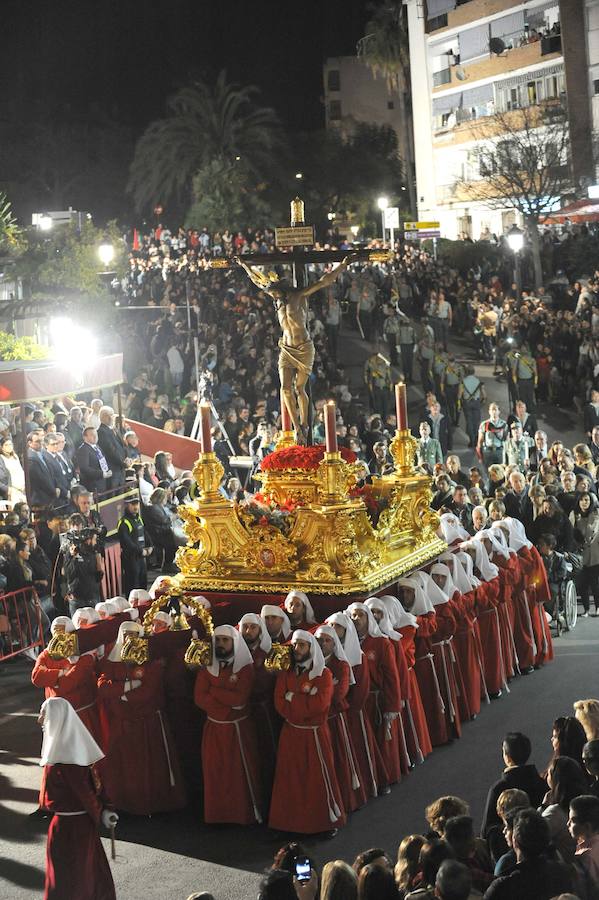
x=496 y=695
x=329 y=835
x=39 y=813
x=384 y=790
x=527 y=671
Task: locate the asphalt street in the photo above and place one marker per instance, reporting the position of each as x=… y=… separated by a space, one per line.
x=172 y=855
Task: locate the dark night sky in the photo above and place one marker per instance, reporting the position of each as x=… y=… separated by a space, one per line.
x=126 y=57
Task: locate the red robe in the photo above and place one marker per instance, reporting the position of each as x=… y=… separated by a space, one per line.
x=76 y=865
x=346 y=767
x=232 y=789
x=428 y=682
x=78 y=686
x=524 y=637
x=487 y=601
x=417 y=736
x=384 y=697
x=142 y=768
x=446 y=667
x=373 y=774
x=305 y=794
x=538 y=593
x=466 y=650
x=508 y=580
x=265 y=718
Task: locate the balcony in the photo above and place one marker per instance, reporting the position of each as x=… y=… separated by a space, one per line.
x=521 y=51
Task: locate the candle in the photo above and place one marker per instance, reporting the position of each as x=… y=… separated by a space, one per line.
x=330 y=426
x=286 y=424
x=401 y=406
x=205 y=436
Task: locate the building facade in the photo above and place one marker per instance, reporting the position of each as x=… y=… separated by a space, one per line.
x=471 y=59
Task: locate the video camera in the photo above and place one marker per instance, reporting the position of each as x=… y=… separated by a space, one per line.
x=78 y=538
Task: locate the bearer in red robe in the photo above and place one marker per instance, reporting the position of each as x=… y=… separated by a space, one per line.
x=76 y=865
x=485 y=577
x=232 y=789
x=277 y=623
x=305 y=795
x=262 y=703
x=299 y=611
x=346 y=767
x=373 y=774
x=384 y=701
x=524 y=638
x=143 y=774
x=73 y=678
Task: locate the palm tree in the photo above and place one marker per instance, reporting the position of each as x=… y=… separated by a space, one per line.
x=203 y=123
x=384 y=48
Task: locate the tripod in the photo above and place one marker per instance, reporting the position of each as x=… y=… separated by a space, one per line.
x=202 y=398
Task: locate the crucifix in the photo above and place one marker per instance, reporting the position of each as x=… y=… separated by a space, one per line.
x=296 y=349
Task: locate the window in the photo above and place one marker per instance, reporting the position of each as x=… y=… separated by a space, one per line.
x=334 y=80
x=437 y=22
x=335 y=110
x=390 y=104
x=596 y=85
x=442 y=77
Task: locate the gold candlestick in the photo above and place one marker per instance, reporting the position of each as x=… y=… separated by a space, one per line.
x=285 y=439
x=403 y=448
x=208 y=473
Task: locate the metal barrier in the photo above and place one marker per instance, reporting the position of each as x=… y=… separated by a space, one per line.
x=20 y=622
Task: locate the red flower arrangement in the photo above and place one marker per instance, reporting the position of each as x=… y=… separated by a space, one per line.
x=301 y=458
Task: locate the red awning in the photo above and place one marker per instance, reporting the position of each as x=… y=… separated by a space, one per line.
x=185 y=450
x=21 y=382
x=578 y=211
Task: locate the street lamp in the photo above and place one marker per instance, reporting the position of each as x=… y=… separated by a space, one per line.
x=299 y=175
x=45 y=223
x=354 y=230
x=515 y=239
x=383 y=203
x=106 y=253
x=331 y=216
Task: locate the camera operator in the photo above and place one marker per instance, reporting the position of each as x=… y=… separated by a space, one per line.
x=81 y=502
x=83 y=567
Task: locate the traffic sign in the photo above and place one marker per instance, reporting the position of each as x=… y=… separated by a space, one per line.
x=420 y=231
x=391 y=216
x=298 y=236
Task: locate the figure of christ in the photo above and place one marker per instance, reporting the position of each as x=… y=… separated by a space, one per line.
x=296 y=356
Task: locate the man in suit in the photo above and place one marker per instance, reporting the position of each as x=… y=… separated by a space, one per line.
x=521 y=415
x=59 y=473
x=594 y=444
x=429 y=450
x=113 y=448
x=539 y=450
x=42 y=486
x=518 y=504
x=94 y=471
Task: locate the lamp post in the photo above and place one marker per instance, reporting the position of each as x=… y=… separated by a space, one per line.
x=354 y=230
x=106 y=253
x=515 y=239
x=383 y=203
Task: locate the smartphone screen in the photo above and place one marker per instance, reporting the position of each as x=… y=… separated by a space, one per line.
x=303 y=870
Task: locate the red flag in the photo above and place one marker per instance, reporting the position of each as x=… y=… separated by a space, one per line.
x=135 y=239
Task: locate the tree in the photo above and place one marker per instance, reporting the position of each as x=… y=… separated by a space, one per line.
x=344 y=175
x=203 y=123
x=225 y=193
x=13 y=348
x=523 y=162
x=9 y=231
x=385 y=50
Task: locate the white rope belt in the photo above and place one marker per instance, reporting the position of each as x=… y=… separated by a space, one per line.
x=355 y=780
x=529 y=622
x=83 y=708
x=333 y=809
x=419 y=754
x=429 y=656
x=244 y=761
x=368 y=754
x=166 y=750
x=80 y=812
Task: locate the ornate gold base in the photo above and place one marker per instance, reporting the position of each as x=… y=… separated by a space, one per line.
x=331 y=546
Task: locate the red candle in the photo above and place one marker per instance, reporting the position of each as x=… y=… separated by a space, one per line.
x=401 y=406
x=330 y=426
x=205 y=435
x=286 y=424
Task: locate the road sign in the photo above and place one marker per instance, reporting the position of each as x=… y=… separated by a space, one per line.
x=421 y=231
x=391 y=216
x=300 y=236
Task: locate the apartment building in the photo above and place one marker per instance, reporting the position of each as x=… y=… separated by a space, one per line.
x=471 y=59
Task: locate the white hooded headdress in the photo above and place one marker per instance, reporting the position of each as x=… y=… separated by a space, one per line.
x=270 y=610
x=254 y=619
x=385 y=625
x=125 y=628
x=309 y=616
x=351 y=641
x=85 y=612
x=66 y=739
x=241 y=652
x=338 y=650
x=450 y=529
x=422 y=604
x=373 y=628
x=318 y=664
